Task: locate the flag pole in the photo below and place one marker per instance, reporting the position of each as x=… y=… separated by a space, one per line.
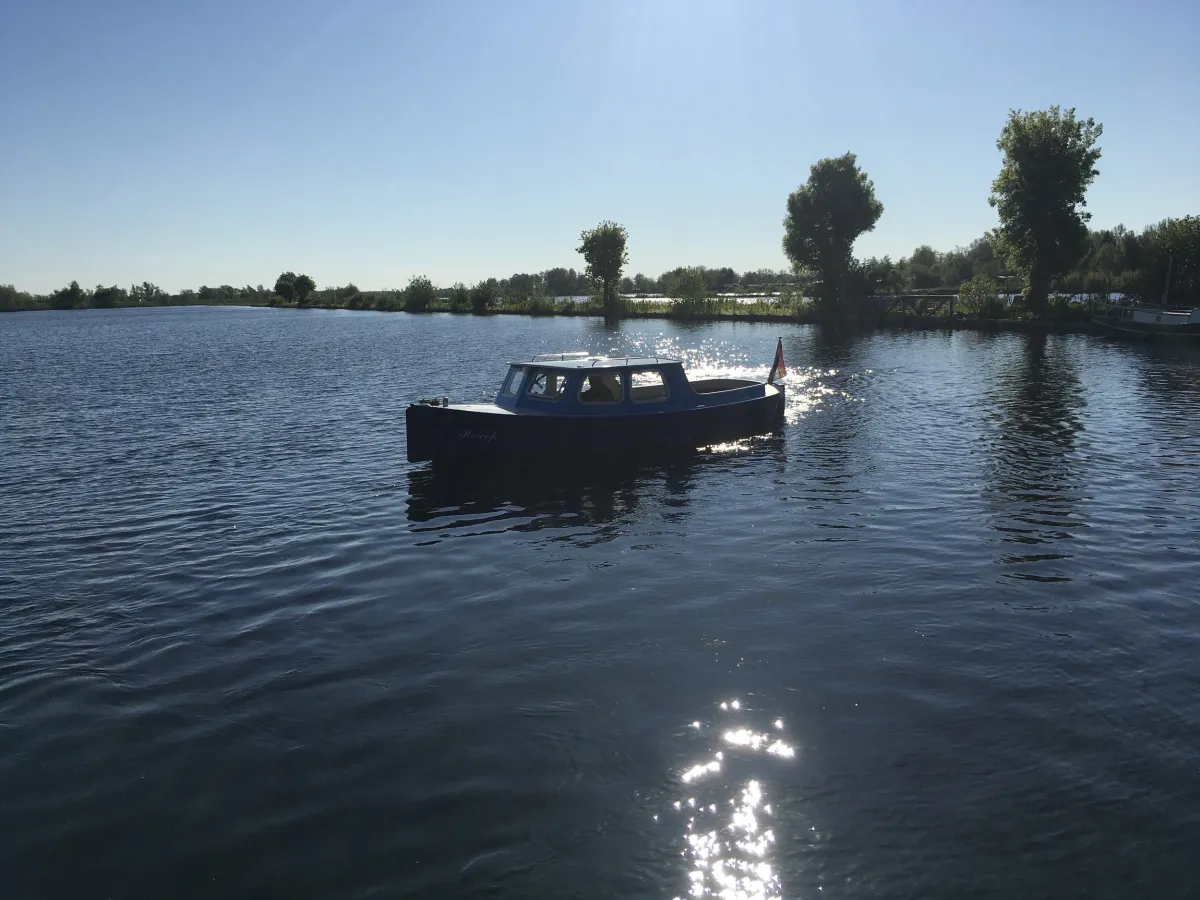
x=778 y=363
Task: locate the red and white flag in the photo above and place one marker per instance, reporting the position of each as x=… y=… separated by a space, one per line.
x=778 y=369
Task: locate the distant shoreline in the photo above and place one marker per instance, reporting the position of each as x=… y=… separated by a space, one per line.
x=911 y=322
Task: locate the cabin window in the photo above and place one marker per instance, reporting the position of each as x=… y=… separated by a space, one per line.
x=512 y=384
x=547 y=385
x=647 y=386
x=601 y=387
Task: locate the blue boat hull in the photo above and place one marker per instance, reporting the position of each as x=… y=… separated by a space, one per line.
x=450 y=434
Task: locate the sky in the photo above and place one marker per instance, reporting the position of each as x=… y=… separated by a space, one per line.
x=214 y=142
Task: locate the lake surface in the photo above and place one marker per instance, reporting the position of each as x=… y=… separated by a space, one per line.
x=940 y=637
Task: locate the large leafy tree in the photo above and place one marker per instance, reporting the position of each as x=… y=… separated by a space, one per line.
x=603 y=248
x=1049 y=161
x=484 y=296
x=70 y=297
x=825 y=216
x=688 y=289
x=285 y=285
x=1171 y=262
x=419 y=294
x=104 y=297
x=302 y=287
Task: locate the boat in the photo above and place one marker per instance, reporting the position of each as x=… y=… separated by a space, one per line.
x=562 y=405
x=1153 y=321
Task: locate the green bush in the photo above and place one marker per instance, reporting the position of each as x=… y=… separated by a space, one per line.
x=419 y=294
x=483 y=297
x=980 y=298
x=689 y=292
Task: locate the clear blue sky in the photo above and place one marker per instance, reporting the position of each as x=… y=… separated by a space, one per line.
x=368 y=140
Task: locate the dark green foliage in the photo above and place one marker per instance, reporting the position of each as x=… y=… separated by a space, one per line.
x=107 y=297
x=644 y=285
x=1049 y=161
x=561 y=282
x=386 y=301
x=147 y=293
x=301 y=288
x=285 y=285
x=980 y=297
x=11 y=299
x=484 y=296
x=539 y=305
x=824 y=218
x=460 y=297
x=688 y=289
x=349 y=296
x=873 y=276
x=1174 y=243
x=419 y=294
x=70 y=297
x=718 y=280
x=603 y=248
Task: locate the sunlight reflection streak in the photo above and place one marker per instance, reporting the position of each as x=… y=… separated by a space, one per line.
x=731 y=858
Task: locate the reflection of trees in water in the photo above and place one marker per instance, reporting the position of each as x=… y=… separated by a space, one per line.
x=1033 y=483
x=1167 y=394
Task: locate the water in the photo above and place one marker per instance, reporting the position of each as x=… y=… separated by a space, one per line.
x=939 y=638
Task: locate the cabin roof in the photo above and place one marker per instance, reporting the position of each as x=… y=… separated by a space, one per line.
x=587 y=361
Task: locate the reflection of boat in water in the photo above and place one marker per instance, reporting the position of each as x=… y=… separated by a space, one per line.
x=526 y=498
x=569 y=404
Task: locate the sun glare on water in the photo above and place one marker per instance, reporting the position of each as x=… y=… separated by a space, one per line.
x=728 y=831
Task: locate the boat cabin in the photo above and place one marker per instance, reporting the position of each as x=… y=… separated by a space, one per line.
x=578 y=384
x=1165 y=317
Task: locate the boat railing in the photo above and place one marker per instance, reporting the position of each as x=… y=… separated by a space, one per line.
x=562 y=357
x=599 y=360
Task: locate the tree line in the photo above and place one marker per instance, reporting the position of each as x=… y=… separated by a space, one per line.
x=1042 y=250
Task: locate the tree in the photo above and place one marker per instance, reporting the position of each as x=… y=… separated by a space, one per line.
x=419 y=294
x=980 y=296
x=719 y=279
x=105 y=297
x=285 y=285
x=11 y=298
x=147 y=293
x=483 y=296
x=824 y=218
x=688 y=289
x=604 y=250
x=642 y=284
x=1049 y=161
x=1174 y=243
x=955 y=267
x=460 y=297
x=874 y=276
x=301 y=288
x=70 y=297
x=561 y=282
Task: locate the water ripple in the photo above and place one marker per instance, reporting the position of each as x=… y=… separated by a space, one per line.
x=247 y=650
